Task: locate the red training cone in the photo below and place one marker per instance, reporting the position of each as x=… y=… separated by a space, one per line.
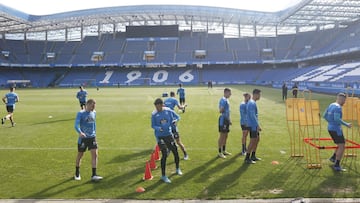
x=156 y=152
x=152 y=161
x=147 y=174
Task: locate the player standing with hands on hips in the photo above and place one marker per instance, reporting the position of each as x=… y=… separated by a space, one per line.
x=224 y=123
x=162 y=120
x=85 y=126
x=254 y=126
x=243 y=121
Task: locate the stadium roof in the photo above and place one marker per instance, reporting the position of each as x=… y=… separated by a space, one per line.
x=306 y=15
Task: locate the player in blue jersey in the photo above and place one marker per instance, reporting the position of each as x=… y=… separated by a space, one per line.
x=85 y=126
x=10 y=99
x=81 y=96
x=162 y=118
x=224 y=123
x=254 y=126
x=243 y=121
x=181 y=92
x=171 y=102
x=333 y=115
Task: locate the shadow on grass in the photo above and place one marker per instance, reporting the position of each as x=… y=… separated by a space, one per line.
x=223 y=182
x=52 y=190
x=204 y=173
x=342 y=184
x=115 y=180
x=162 y=189
x=53 y=121
x=276 y=182
x=130 y=156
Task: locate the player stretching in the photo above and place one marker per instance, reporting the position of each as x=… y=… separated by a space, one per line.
x=253 y=123
x=171 y=102
x=333 y=115
x=85 y=126
x=10 y=99
x=81 y=96
x=181 y=92
x=224 y=123
x=243 y=121
x=162 y=118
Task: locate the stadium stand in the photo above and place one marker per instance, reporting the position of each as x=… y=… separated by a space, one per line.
x=162 y=54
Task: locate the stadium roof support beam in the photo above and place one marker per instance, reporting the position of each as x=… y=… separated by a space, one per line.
x=319 y=13
x=66 y=34
x=255 y=31
x=82 y=31
x=223 y=27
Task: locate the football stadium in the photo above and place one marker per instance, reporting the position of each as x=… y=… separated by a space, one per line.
x=128 y=57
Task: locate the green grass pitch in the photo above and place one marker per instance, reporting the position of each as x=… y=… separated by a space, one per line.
x=38 y=155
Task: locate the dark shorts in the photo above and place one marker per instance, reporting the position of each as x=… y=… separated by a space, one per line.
x=254 y=134
x=166 y=142
x=82 y=103
x=87 y=143
x=10 y=109
x=244 y=127
x=175 y=132
x=182 y=100
x=224 y=125
x=338 y=139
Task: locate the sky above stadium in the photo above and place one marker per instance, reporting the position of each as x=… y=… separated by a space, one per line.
x=44 y=7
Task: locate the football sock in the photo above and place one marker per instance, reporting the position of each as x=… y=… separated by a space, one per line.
x=337 y=163
x=333 y=156
x=223 y=147
x=243 y=147
x=77 y=171
x=247 y=156
x=252 y=154
x=220 y=150
x=93 y=171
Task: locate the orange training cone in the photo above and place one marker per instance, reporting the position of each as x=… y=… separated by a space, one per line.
x=152 y=161
x=147 y=174
x=140 y=189
x=156 y=152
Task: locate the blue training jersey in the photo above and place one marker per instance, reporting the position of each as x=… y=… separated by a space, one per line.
x=171 y=102
x=243 y=116
x=81 y=95
x=162 y=121
x=86 y=122
x=11 y=99
x=252 y=115
x=181 y=92
x=333 y=115
x=224 y=103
